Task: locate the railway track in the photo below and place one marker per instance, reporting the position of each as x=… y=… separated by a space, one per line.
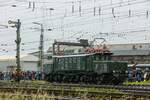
x=75 y=93
x=69 y=86
x=77 y=90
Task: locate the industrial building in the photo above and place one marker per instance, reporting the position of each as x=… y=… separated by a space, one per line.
x=28 y=63
x=139 y=53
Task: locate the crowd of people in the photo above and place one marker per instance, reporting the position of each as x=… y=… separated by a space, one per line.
x=138 y=75
x=24 y=75
x=133 y=75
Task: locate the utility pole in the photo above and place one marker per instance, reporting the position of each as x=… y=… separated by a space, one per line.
x=18 y=41
x=41 y=47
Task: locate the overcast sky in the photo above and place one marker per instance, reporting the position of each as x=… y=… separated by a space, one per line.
x=118 y=21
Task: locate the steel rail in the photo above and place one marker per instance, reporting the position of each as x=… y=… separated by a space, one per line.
x=68 y=86
x=75 y=93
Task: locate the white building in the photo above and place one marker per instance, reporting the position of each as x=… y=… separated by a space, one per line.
x=28 y=63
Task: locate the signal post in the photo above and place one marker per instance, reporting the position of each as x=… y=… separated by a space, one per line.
x=18 y=41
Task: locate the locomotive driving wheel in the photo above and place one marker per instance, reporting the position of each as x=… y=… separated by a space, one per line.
x=99 y=79
x=82 y=78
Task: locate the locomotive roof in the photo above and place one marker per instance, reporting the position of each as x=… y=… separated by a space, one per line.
x=77 y=55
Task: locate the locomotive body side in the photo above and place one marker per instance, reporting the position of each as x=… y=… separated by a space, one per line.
x=93 y=68
x=110 y=72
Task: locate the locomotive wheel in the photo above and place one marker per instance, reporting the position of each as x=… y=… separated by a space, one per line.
x=55 y=78
x=59 y=78
x=90 y=79
x=82 y=78
x=70 y=79
x=76 y=79
x=48 y=77
x=113 y=80
x=99 y=79
x=51 y=78
x=66 y=79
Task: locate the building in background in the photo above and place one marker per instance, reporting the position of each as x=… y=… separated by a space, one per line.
x=139 y=53
x=28 y=63
x=47 y=60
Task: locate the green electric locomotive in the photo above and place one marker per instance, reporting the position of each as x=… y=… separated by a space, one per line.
x=94 y=67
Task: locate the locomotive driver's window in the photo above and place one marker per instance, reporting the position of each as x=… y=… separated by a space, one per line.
x=105 y=68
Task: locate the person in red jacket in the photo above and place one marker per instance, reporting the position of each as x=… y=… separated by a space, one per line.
x=18 y=75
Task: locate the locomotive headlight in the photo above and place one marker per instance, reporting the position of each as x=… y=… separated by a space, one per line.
x=114 y=71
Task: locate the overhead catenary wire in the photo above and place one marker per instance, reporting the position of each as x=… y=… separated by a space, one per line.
x=89 y=21
x=130 y=4
x=86 y=19
x=61 y=17
x=120 y=31
x=138 y=15
x=116 y=5
x=116 y=13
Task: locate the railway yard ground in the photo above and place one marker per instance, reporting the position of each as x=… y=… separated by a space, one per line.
x=41 y=90
x=146 y=83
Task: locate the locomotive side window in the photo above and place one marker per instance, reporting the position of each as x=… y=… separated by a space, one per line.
x=104 y=68
x=100 y=57
x=82 y=62
x=68 y=60
x=56 y=59
x=88 y=63
x=78 y=63
x=97 y=58
x=58 y=63
x=74 y=62
x=66 y=63
x=69 y=63
x=101 y=68
x=62 y=63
